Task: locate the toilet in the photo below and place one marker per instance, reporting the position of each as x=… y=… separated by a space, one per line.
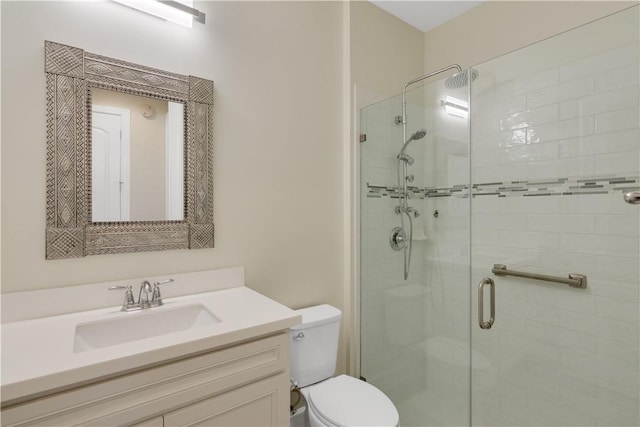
x=342 y=401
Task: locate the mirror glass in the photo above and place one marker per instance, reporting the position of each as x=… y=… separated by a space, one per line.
x=137 y=158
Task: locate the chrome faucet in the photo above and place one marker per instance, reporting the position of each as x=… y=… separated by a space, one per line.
x=145 y=290
x=129 y=303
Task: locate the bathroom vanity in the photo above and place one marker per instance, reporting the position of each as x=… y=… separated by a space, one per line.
x=216 y=356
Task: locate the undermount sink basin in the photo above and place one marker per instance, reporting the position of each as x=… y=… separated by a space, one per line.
x=134 y=326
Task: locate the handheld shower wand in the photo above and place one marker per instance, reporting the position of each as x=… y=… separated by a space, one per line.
x=405 y=157
x=403 y=208
x=414 y=137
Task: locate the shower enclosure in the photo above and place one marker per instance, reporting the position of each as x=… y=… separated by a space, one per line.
x=521 y=301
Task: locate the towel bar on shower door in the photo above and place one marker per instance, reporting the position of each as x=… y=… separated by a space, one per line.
x=574 y=280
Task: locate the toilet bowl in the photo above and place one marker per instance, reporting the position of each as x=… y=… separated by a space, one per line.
x=346 y=401
x=342 y=401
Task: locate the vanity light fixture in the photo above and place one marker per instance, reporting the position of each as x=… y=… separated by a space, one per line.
x=456 y=107
x=177 y=11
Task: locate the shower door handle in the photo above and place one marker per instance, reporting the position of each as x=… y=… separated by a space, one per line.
x=492 y=316
x=632 y=197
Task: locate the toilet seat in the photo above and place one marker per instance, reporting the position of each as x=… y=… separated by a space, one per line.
x=344 y=401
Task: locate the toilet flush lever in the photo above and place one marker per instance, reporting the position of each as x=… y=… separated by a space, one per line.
x=299 y=337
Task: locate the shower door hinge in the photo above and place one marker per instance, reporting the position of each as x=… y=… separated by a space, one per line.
x=363 y=137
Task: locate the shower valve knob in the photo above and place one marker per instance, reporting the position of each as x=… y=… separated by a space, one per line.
x=633 y=198
x=410 y=178
x=398 y=239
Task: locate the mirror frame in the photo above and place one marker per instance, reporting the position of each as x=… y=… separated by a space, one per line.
x=70 y=74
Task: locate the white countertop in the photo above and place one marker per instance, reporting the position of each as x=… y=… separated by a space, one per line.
x=38 y=354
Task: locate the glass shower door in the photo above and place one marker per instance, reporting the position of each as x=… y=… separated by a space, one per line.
x=415 y=333
x=555 y=146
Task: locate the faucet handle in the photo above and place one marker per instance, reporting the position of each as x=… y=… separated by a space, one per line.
x=129 y=300
x=156 y=298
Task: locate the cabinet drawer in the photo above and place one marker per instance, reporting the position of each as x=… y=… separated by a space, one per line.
x=145 y=393
x=258 y=404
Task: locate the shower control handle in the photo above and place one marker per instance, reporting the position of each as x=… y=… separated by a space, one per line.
x=398 y=239
x=492 y=317
x=632 y=197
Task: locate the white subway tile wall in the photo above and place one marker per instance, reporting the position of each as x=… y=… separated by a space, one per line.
x=555 y=142
x=558 y=355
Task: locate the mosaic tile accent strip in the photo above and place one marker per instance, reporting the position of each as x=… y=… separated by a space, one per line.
x=525 y=188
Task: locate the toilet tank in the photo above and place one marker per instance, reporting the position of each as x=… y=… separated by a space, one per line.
x=313 y=344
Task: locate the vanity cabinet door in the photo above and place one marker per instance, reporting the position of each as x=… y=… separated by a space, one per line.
x=257 y=404
x=136 y=397
x=153 y=422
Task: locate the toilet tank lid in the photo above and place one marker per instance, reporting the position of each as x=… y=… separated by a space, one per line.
x=317 y=315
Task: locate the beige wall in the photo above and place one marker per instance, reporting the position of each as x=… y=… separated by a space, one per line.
x=277 y=126
x=385 y=51
x=497 y=27
x=381 y=53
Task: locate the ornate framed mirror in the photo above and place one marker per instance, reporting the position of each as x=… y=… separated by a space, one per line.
x=93 y=207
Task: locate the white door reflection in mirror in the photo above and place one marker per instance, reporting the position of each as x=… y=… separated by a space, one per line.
x=110 y=164
x=174 y=147
x=151 y=170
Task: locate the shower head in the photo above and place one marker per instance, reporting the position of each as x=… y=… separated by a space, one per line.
x=461 y=79
x=414 y=137
x=418 y=135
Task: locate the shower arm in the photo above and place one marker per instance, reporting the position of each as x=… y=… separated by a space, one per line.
x=416 y=80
